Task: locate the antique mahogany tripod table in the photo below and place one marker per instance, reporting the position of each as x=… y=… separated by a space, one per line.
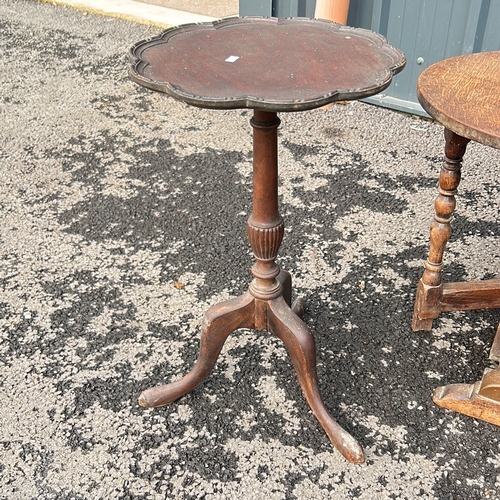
x=463 y=94
x=268 y=65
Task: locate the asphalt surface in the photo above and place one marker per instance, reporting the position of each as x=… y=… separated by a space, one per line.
x=122 y=216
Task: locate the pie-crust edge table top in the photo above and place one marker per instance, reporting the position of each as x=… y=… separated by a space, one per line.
x=266 y=63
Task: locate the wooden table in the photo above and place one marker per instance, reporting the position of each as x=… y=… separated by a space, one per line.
x=268 y=65
x=463 y=94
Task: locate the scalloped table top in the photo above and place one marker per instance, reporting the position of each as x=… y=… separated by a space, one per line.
x=265 y=63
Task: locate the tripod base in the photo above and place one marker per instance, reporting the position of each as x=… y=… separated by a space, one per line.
x=278 y=318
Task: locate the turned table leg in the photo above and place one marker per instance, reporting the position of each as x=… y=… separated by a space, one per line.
x=267 y=303
x=430 y=287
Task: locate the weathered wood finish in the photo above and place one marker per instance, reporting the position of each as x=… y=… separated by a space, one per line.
x=465 y=399
x=281 y=65
x=495 y=348
x=266 y=305
x=461 y=93
x=480 y=400
x=471 y=295
x=428 y=303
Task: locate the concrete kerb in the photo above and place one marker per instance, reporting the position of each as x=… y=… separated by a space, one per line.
x=130 y=10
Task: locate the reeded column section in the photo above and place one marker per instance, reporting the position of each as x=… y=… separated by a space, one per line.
x=265 y=227
x=265 y=242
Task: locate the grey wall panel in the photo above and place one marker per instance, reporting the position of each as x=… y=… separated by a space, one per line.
x=294 y=8
x=255 y=8
x=277 y=8
x=491 y=35
x=286 y=8
x=427 y=31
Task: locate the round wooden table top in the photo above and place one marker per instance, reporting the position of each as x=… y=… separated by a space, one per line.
x=265 y=63
x=463 y=94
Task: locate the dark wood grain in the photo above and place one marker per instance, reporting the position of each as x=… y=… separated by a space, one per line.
x=267 y=303
x=282 y=65
x=470 y=295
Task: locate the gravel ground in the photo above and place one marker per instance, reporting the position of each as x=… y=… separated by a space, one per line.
x=122 y=216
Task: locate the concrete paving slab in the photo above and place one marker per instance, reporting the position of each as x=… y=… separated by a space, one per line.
x=215 y=8
x=157 y=15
